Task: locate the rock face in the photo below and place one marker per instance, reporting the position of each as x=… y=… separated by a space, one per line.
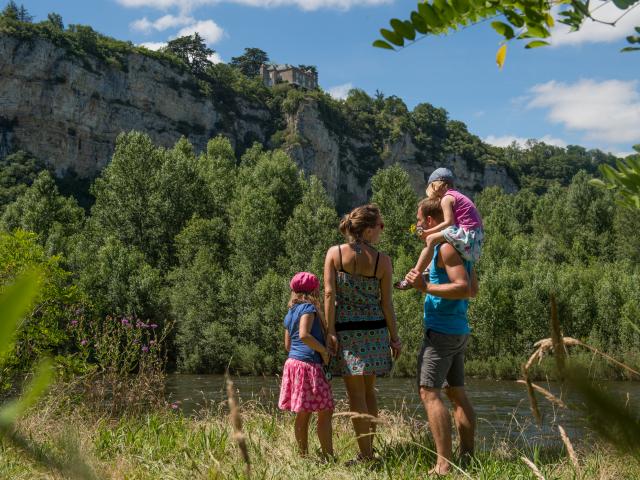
x=68 y=112
x=333 y=159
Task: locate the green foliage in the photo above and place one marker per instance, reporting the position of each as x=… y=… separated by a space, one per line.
x=117 y=279
x=17 y=171
x=519 y=20
x=624 y=180
x=393 y=193
x=43 y=331
x=250 y=61
x=146 y=195
x=193 y=51
x=41 y=209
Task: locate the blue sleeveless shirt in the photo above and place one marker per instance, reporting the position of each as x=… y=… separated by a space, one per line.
x=440 y=314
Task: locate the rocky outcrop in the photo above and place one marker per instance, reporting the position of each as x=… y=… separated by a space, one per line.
x=68 y=111
x=333 y=158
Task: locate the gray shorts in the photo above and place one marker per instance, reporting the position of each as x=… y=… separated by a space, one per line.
x=441 y=360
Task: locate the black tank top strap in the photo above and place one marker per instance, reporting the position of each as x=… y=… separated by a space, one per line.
x=375 y=270
x=340 y=255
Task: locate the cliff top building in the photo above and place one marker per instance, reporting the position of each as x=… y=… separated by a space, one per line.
x=279 y=73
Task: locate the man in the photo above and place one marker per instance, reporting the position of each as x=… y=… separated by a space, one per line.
x=441 y=359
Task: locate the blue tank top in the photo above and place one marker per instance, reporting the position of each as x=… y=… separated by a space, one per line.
x=300 y=350
x=440 y=314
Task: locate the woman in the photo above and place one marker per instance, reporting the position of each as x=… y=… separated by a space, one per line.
x=361 y=323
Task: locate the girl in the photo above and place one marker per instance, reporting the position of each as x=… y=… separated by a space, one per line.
x=462 y=225
x=305 y=388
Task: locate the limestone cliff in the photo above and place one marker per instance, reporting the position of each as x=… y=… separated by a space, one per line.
x=68 y=112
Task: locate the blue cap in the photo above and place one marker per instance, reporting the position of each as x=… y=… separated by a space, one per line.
x=441 y=174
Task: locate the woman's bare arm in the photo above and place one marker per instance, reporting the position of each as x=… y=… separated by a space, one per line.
x=330 y=300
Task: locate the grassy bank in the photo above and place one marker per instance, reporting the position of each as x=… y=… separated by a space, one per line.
x=167 y=445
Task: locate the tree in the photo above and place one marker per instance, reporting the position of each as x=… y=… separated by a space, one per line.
x=249 y=62
x=11 y=11
x=528 y=20
x=393 y=193
x=17 y=171
x=86 y=37
x=23 y=15
x=193 y=51
x=41 y=209
x=55 y=20
x=311 y=230
x=309 y=68
x=147 y=194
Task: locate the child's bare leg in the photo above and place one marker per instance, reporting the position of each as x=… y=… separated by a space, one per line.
x=325 y=432
x=426 y=255
x=302 y=431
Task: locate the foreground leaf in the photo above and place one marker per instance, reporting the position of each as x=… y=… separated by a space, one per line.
x=14 y=304
x=501 y=56
x=36 y=388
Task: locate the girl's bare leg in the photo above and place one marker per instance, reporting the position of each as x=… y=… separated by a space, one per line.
x=325 y=432
x=426 y=255
x=302 y=432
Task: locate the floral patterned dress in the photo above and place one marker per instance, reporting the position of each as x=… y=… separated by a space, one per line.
x=360 y=325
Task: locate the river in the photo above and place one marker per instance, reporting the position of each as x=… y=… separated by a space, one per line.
x=502 y=407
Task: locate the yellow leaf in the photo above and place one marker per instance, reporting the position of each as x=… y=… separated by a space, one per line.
x=549 y=20
x=501 y=56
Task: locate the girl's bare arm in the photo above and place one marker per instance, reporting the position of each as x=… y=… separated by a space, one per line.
x=306 y=322
x=447 y=203
x=287 y=340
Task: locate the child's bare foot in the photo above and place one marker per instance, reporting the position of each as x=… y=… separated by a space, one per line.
x=402 y=285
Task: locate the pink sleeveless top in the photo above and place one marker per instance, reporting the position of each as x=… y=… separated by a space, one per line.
x=465 y=213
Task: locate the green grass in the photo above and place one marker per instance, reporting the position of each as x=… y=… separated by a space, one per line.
x=167 y=445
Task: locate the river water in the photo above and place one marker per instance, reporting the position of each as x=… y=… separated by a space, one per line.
x=502 y=407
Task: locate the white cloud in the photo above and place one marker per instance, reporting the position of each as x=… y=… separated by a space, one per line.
x=162 y=23
x=215 y=58
x=506 y=140
x=189 y=5
x=153 y=45
x=622 y=154
x=592 y=32
x=605 y=111
x=208 y=30
x=340 y=92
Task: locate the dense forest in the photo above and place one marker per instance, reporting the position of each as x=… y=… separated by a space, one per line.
x=207 y=243
x=204 y=243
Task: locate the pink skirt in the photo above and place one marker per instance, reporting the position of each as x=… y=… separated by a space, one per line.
x=304 y=388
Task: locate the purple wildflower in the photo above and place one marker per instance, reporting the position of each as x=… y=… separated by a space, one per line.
x=145 y=349
x=83 y=342
x=153 y=325
x=175 y=405
x=124 y=321
x=74 y=323
x=152 y=342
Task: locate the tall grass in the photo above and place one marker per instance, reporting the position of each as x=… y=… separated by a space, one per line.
x=168 y=445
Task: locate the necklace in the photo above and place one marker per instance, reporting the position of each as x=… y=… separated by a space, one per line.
x=357 y=245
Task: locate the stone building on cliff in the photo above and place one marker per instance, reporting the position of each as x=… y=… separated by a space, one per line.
x=272 y=73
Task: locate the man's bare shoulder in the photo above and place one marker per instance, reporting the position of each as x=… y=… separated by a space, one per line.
x=450 y=255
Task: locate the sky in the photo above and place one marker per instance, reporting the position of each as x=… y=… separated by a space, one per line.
x=579 y=91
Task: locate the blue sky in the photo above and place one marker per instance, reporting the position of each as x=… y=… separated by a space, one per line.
x=580 y=91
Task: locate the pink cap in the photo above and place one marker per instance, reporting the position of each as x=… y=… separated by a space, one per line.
x=304 y=282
